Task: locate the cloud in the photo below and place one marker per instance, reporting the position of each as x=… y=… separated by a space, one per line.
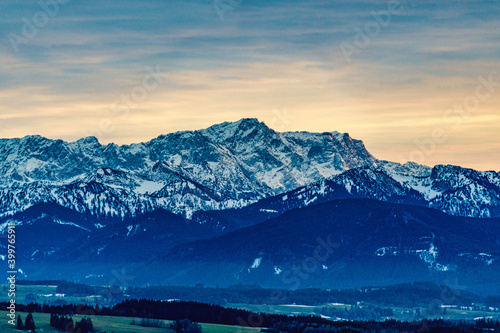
x=262 y=57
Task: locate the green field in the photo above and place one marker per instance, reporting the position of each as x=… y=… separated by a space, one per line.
x=44 y=294
x=115 y=325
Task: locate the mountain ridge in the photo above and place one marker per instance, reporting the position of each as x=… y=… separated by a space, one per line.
x=358 y=239
x=225 y=166
x=249 y=162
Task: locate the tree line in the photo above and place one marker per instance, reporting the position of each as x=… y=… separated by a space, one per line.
x=215 y=314
x=67 y=324
x=28 y=325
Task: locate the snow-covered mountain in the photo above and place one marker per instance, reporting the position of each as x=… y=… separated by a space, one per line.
x=450 y=189
x=229 y=165
x=457 y=191
x=226 y=165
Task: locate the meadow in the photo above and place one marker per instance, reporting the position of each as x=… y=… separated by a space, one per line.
x=111 y=324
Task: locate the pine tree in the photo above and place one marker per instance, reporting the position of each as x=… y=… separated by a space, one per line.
x=30 y=322
x=70 y=326
x=19 y=325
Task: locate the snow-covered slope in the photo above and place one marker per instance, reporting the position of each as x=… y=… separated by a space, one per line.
x=227 y=165
x=455 y=190
x=450 y=189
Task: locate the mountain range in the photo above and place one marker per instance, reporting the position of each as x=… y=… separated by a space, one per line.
x=229 y=165
x=212 y=200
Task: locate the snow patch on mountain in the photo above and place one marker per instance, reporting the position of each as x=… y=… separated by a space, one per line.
x=256 y=263
x=58 y=221
x=99 y=250
x=430 y=256
x=421 y=185
x=268 y=210
x=129 y=228
x=386 y=250
x=488 y=259
x=149 y=187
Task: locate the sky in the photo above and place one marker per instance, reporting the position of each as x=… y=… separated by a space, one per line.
x=415 y=80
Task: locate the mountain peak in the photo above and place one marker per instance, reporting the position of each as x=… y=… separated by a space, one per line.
x=240 y=129
x=243 y=122
x=89 y=140
x=33 y=137
x=249 y=121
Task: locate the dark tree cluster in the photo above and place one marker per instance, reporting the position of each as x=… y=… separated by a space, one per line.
x=67 y=324
x=488 y=324
x=38 y=282
x=194 y=311
x=186 y=326
x=63 y=309
x=29 y=324
x=148 y=322
x=75 y=289
x=367 y=312
x=388 y=326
